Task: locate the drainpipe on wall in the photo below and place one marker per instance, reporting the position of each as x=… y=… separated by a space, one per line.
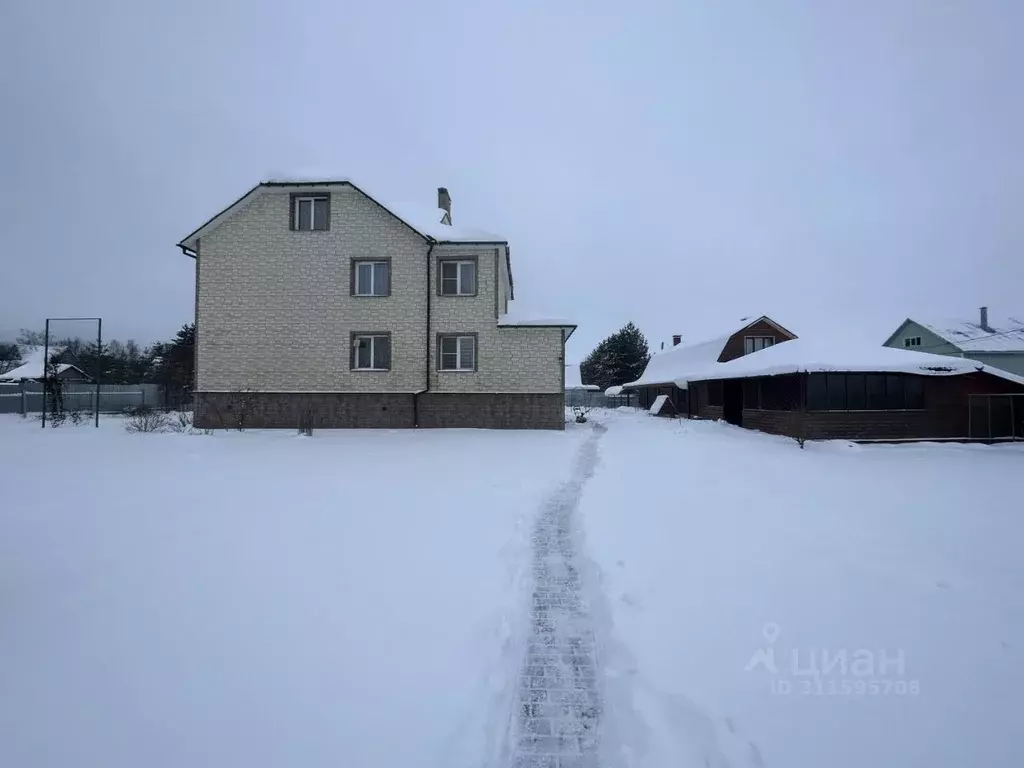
x=426 y=358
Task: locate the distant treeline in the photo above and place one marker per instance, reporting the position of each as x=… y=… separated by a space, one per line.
x=170 y=363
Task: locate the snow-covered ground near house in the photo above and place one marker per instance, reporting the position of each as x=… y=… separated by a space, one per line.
x=725 y=552
x=367 y=598
x=264 y=599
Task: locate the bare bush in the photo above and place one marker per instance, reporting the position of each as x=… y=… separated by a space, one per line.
x=144 y=419
x=180 y=422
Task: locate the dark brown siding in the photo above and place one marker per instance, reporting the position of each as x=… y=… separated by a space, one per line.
x=773 y=422
x=699 y=392
x=734 y=346
x=945 y=414
x=677 y=397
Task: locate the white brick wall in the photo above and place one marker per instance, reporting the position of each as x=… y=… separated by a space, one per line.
x=509 y=359
x=275 y=310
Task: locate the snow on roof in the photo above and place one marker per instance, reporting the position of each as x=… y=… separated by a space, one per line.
x=823 y=355
x=32 y=362
x=424 y=219
x=30 y=371
x=612 y=391
x=1006 y=334
x=517 y=316
x=33 y=365
x=674 y=364
x=573 y=379
x=677 y=362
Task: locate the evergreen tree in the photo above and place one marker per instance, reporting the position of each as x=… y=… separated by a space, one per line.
x=619 y=359
x=174 y=364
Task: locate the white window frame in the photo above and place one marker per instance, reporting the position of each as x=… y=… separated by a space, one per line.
x=311 y=199
x=373 y=277
x=912 y=341
x=752 y=340
x=373 y=343
x=459 y=264
x=460 y=340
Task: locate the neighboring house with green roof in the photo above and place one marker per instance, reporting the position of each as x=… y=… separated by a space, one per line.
x=997 y=342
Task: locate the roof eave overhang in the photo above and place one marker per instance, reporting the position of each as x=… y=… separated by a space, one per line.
x=572 y=328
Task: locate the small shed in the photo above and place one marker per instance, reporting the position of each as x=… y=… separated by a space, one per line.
x=33 y=367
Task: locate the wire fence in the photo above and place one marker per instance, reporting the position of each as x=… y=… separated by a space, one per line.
x=588 y=398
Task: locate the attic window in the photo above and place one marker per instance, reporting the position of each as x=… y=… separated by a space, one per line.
x=753 y=344
x=310 y=213
x=912 y=341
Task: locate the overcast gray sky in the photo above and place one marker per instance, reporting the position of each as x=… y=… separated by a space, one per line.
x=836 y=164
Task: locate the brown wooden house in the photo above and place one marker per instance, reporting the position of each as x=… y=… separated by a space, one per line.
x=877 y=393
x=667 y=371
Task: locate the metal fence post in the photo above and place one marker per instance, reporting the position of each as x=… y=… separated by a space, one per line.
x=99 y=365
x=46 y=352
x=1013 y=418
x=24 y=399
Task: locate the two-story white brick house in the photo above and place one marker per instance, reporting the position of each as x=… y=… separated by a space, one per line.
x=319 y=305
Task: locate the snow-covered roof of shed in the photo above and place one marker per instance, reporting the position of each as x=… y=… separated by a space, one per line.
x=423 y=219
x=612 y=391
x=573 y=380
x=676 y=363
x=34 y=371
x=1006 y=334
x=33 y=359
x=35 y=354
x=822 y=355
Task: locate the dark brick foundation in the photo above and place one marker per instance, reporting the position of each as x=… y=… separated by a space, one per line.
x=493 y=411
x=291 y=410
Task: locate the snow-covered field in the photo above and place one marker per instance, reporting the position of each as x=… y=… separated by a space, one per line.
x=260 y=598
x=717 y=544
x=363 y=598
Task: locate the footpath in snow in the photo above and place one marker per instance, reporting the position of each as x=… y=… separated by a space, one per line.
x=559 y=699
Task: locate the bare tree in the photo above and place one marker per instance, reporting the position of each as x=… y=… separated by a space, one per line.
x=31 y=338
x=10 y=357
x=53 y=392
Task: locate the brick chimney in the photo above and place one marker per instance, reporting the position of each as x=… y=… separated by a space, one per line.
x=676 y=339
x=984 y=320
x=444 y=202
